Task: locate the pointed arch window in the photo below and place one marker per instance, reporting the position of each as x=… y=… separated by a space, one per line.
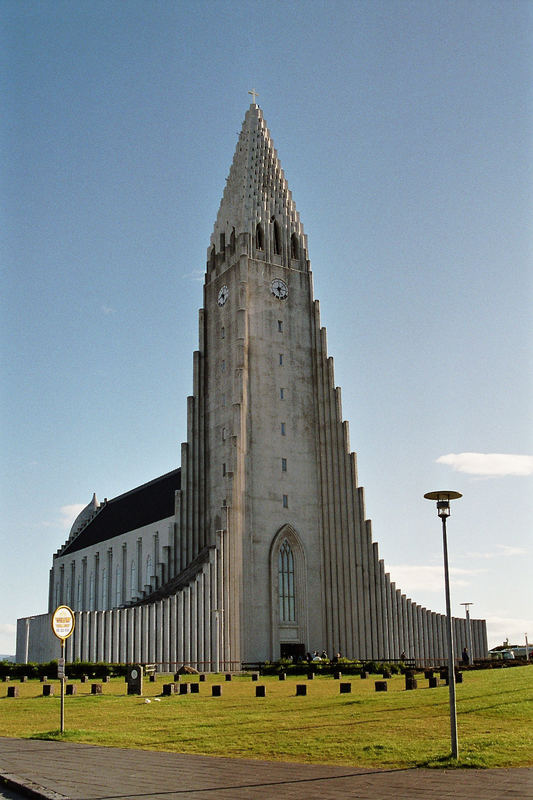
x=295 y=246
x=133 y=579
x=91 y=592
x=104 y=589
x=259 y=238
x=118 y=586
x=286 y=583
x=277 y=238
x=148 y=570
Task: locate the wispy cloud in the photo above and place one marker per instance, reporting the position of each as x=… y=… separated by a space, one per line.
x=108 y=310
x=69 y=513
x=412 y=578
x=8 y=634
x=195 y=275
x=494 y=464
x=501 y=628
x=502 y=551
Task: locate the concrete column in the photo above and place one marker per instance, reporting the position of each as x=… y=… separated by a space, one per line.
x=200 y=590
x=165 y=608
x=180 y=630
x=158 y=633
x=187 y=623
x=152 y=646
x=99 y=620
x=194 y=626
x=173 y=639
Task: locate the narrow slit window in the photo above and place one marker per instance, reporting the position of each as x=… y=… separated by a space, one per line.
x=223 y=365
x=285 y=501
x=282 y=394
x=280 y=326
x=284 y=465
x=281 y=359
x=223 y=333
x=223 y=469
x=283 y=429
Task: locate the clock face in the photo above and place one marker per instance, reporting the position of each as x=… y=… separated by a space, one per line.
x=223 y=295
x=134 y=674
x=279 y=289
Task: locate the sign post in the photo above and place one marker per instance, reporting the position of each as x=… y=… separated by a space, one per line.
x=63 y=622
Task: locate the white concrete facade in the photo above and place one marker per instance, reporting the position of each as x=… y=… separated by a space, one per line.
x=268 y=551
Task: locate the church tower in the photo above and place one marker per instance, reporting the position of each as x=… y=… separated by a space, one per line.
x=277 y=482
x=258 y=546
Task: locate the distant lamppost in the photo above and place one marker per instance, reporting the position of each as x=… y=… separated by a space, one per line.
x=468 y=631
x=443 y=510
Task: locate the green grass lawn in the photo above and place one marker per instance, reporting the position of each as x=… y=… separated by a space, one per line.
x=364 y=728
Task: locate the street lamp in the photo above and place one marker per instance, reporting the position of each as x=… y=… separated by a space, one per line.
x=468 y=631
x=443 y=510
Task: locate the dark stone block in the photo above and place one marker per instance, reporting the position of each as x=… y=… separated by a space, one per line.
x=443 y=673
x=434 y=682
x=310 y=676
x=228 y=676
x=216 y=690
x=345 y=688
x=458 y=677
x=259 y=691
x=195 y=688
x=44 y=679
x=24 y=679
x=96 y=688
x=380 y=686
x=185 y=688
x=202 y=678
x=428 y=673
x=48 y=690
x=282 y=676
x=410 y=682
x=12 y=691
x=337 y=676
x=105 y=679
x=177 y=677
x=301 y=689
x=168 y=689
x=70 y=688
x=386 y=674
x=364 y=675
x=153 y=678
x=255 y=676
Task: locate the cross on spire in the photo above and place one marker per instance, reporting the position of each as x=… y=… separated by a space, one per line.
x=254 y=94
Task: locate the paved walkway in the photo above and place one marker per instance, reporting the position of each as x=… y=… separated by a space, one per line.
x=58 y=770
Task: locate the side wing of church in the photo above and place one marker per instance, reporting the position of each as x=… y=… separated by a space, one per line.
x=258 y=546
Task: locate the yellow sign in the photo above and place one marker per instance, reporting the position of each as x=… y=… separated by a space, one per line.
x=63 y=622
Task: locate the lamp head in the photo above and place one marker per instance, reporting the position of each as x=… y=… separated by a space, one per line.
x=443 y=501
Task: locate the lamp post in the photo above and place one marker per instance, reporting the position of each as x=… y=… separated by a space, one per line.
x=468 y=631
x=443 y=510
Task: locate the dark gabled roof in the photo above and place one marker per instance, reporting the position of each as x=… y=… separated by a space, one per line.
x=141 y=506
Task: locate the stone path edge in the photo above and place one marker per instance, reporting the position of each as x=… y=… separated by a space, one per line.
x=29 y=788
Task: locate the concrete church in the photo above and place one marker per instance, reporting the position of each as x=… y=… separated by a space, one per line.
x=258 y=546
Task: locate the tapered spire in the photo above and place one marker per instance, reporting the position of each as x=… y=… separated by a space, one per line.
x=257 y=194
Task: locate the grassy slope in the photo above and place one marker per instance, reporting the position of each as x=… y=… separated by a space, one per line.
x=396 y=729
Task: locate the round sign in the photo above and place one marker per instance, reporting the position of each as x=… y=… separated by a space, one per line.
x=134 y=674
x=63 y=622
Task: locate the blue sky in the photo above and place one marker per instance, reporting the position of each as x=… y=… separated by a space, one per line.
x=405 y=131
